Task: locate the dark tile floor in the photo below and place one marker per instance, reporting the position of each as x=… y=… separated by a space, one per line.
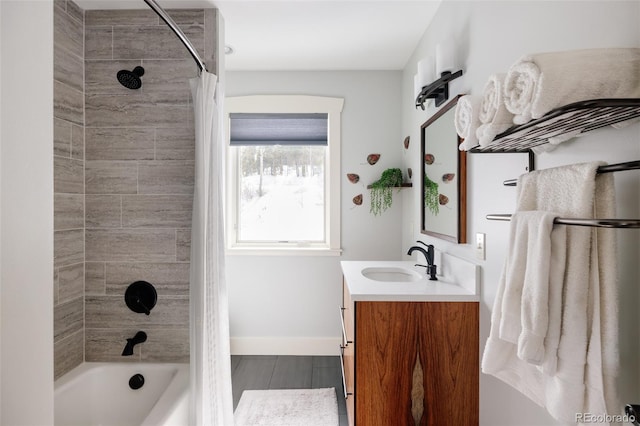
x=287 y=372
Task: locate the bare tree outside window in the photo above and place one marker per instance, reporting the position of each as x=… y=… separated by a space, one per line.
x=282 y=193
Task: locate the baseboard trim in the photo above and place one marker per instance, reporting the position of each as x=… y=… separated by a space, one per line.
x=285 y=346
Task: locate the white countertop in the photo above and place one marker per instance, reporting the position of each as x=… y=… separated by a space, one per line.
x=459 y=282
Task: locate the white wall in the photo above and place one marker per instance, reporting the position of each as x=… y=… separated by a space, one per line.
x=26 y=218
x=490 y=36
x=0 y=214
x=289 y=305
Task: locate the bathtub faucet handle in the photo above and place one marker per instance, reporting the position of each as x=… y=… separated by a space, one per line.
x=142 y=306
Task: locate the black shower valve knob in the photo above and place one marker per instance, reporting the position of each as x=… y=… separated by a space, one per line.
x=141 y=297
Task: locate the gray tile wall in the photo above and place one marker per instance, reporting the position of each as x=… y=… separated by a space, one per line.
x=138 y=178
x=69 y=212
x=123 y=180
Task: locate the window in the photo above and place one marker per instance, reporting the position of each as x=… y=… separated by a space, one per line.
x=283 y=193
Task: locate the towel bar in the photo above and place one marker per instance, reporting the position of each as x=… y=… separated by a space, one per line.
x=599 y=223
x=630 y=165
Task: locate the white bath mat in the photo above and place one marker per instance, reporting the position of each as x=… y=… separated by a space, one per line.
x=287 y=407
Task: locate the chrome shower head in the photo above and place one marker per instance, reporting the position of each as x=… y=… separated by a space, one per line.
x=131 y=79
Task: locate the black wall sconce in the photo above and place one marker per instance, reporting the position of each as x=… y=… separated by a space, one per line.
x=438 y=90
x=444 y=66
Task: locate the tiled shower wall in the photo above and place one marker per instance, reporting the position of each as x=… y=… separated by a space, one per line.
x=139 y=169
x=137 y=181
x=68 y=99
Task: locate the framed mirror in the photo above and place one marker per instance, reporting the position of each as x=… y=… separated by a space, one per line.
x=444 y=172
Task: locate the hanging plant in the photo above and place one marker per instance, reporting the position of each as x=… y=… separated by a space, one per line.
x=431 y=196
x=382 y=190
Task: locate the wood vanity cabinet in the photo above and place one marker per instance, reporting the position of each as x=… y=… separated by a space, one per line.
x=410 y=363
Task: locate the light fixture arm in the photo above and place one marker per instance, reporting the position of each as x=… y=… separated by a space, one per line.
x=438 y=90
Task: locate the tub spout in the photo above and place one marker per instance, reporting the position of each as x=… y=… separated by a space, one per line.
x=140 y=337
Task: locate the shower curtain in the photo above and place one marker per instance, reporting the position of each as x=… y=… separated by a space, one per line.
x=211 y=396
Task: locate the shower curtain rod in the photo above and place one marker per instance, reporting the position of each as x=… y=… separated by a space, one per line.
x=183 y=38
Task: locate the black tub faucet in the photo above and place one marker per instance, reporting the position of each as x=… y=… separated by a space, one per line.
x=428 y=255
x=140 y=337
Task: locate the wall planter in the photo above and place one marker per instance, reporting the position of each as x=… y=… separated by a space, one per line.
x=382 y=190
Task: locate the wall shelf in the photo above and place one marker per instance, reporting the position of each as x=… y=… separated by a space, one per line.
x=573 y=119
x=404 y=185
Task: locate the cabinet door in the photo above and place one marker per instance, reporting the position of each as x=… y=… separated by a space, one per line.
x=386 y=354
x=348 y=352
x=347 y=316
x=450 y=358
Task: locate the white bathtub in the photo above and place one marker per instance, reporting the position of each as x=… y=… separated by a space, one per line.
x=98 y=394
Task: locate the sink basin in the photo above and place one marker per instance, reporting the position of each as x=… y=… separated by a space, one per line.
x=391 y=274
x=403 y=281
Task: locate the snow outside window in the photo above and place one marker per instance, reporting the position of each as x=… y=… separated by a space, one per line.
x=283 y=194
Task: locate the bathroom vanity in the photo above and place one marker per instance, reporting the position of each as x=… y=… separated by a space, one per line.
x=410 y=350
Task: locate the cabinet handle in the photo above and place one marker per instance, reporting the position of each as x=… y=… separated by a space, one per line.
x=344 y=383
x=344 y=332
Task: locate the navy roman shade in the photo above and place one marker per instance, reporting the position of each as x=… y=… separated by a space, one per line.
x=278 y=129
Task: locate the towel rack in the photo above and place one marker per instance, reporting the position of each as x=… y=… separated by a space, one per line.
x=620 y=167
x=600 y=223
x=576 y=118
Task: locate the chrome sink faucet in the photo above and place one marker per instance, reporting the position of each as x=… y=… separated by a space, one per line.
x=429 y=256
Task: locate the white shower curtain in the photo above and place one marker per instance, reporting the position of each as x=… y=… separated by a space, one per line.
x=211 y=396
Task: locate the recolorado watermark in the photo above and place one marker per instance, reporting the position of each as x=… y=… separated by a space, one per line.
x=604 y=418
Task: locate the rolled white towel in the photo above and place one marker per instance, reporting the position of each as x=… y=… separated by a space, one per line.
x=467 y=121
x=538 y=83
x=494 y=116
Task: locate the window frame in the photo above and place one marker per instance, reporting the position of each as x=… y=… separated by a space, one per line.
x=287 y=104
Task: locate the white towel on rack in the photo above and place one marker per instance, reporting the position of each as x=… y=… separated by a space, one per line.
x=531 y=270
x=538 y=83
x=581 y=379
x=556 y=284
x=466 y=120
x=603 y=356
x=494 y=116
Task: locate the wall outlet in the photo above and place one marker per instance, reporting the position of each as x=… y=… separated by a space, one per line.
x=480 y=246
